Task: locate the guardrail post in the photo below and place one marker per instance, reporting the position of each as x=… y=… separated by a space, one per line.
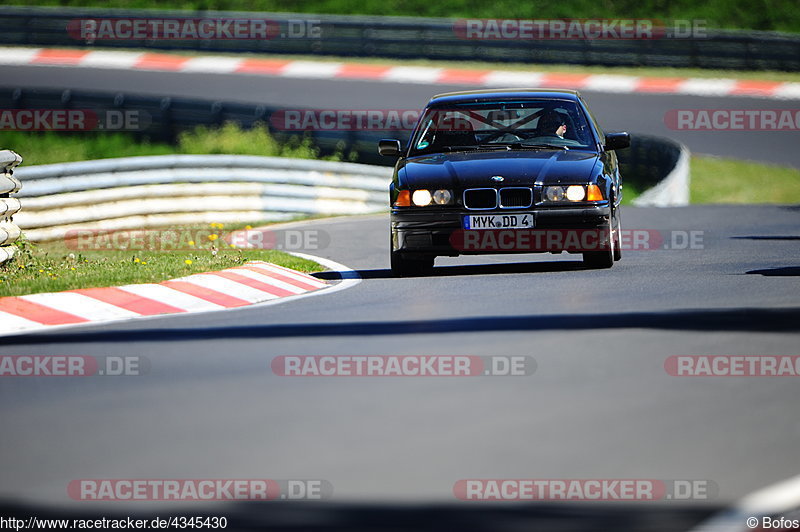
x=8 y=205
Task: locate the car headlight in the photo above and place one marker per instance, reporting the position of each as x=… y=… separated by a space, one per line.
x=442 y=197
x=573 y=193
x=421 y=198
x=554 y=193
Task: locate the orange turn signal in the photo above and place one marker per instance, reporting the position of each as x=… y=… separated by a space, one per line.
x=403 y=199
x=593 y=193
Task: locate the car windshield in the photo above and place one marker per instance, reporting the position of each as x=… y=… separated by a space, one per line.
x=523 y=124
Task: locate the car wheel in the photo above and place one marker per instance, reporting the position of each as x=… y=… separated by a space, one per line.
x=604 y=258
x=403 y=267
x=617 y=237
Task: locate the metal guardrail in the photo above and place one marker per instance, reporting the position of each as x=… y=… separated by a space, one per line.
x=406 y=37
x=9 y=232
x=158 y=191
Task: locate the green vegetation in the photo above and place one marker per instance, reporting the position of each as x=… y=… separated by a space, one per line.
x=57 y=266
x=718 y=180
x=57 y=147
x=779 y=15
x=232 y=139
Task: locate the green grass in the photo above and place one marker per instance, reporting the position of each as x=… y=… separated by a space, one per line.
x=56 y=147
x=718 y=180
x=781 y=15
x=56 y=266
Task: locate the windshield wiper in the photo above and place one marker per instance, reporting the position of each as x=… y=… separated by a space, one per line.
x=505 y=146
x=497 y=146
x=460 y=148
x=542 y=146
x=476 y=147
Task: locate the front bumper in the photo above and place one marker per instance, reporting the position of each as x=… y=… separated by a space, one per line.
x=432 y=232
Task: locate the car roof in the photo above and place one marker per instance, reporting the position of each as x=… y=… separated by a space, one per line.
x=502 y=94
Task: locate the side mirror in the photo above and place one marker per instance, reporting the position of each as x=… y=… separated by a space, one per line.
x=389 y=147
x=617 y=141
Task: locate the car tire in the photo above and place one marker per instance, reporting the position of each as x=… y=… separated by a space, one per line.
x=403 y=267
x=604 y=258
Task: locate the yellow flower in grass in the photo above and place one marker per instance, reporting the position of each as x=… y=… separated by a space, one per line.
x=188 y=261
x=191 y=242
x=213 y=237
x=136 y=259
x=41 y=271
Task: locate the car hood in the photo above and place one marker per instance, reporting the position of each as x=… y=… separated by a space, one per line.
x=517 y=167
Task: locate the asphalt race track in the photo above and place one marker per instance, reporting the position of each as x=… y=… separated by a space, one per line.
x=599 y=405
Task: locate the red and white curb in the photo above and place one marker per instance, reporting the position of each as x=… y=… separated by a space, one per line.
x=398 y=74
x=254 y=282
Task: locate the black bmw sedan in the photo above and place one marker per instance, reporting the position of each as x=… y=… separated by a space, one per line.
x=505 y=171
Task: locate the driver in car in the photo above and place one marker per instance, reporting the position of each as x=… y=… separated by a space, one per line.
x=552 y=123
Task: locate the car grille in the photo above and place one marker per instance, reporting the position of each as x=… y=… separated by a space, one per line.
x=515 y=198
x=487 y=198
x=480 y=198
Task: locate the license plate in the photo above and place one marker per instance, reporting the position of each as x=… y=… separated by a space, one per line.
x=498 y=221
